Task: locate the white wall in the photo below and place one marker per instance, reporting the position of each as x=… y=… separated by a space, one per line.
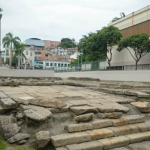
x=141 y=76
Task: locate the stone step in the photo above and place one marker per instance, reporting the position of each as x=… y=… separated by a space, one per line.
x=109 y=143
x=131 y=119
x=8 y=103
x=97 y=124
x=97 y=134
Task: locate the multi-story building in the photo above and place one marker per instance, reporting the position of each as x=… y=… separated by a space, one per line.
x=3 y=56
x=134 y=23
x=51 y=44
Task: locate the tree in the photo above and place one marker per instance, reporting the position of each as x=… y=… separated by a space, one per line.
x=111 y=36
x=67 y=43
x=19 y=49
x=11 y=41
x=116 y=18
x=138 y=45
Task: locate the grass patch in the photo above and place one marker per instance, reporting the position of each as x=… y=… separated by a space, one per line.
x=2 y=146
x=21 y=148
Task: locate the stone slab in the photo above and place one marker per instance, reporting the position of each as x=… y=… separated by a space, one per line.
x=98 y=124
x=93 y=145
x=3 y=95
x=8 y=103
x=18 y=137
x=143 y=127
x=25 y=100
x=113 y=115
x=100 y=133
x=131 y=119
x=84 y=118
x=123 y=130
x=78 y=110
x=6 y=120
x=70 y=138
x=115 y=142
x=140 y=146
x=79 y=127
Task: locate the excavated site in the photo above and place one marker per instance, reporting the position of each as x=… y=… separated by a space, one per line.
x=74 y=114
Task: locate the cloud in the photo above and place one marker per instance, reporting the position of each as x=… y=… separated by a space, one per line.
x=55 y=19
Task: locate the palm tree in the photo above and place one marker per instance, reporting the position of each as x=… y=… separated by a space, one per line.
x=19 y=48
x=116 y=18
x=11 y=41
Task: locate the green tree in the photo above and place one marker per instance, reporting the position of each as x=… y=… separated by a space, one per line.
x=19 y=49
x=111 y=37
x=138 y=45
x=67 y=43
x=10 y=41
x=116 y=18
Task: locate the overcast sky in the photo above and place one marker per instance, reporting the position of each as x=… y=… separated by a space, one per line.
x=56 y=19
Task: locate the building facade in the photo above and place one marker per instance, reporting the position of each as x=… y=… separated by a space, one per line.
x=135 y=23
x=51 y=44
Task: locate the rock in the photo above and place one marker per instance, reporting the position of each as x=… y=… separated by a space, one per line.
x=20 y=116
x=144 y=107
x=8 y=103
x=47 y=102
x=78 y=110
x=84 y=118
x=113 y=115
x=25 y=100
x=22 y=142
x=61 y=148
x=79 y=127
x=100 y=133
x=42 y=139
x=18 y=137
x=143 y=127
x=36 y=113
x=79 y=102
x=20 y=123
x=70 y=138
x=140 y=146
x=10 y=130
x=5 y=120
x=98 y=124
x=93 y=145
x=121 y=148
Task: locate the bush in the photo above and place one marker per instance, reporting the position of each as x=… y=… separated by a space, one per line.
x=2 y=146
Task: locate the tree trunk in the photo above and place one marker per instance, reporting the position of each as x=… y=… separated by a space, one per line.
x=19 y=61
x=10 y=59
x=109 y=65
x=136 y=65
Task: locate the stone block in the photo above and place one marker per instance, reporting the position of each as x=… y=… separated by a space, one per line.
x=113 y=115
x=42 y=139
x=131 y=119
x=70 y=138
x=115 y=142
x=139 y=137
x=2 y=95
x=93 y=145
x=123 y=130
x=98 y=124
x=6 y=120
x=143 y=127
x=78 y=110
x=25 y=100
x=61 y=148
x=8 y=103
x=84 y=118
x=100 y=133
x=79 y=127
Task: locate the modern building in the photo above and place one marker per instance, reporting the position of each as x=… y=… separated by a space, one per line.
x=134 y=23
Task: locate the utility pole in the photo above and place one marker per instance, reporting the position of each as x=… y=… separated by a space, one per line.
x=0 y=38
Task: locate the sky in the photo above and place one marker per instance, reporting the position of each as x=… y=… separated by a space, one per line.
x=57 y=19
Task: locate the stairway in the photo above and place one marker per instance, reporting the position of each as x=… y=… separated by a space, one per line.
x=103 y=134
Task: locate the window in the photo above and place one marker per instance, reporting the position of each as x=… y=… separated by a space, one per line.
x=51 y=64
x=65 y=65
x=68 y=65
x=61 y=65
x=47 y=64
x=55 y=64
x=58 y=64
x=26 y=52
x=41 y=63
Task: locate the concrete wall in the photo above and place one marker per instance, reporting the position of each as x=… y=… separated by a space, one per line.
x=142 y=76
x=26 y=73
x=133 y=18
x=124 y=58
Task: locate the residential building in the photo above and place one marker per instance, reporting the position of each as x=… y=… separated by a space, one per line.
x=134 y=23
x=51 y=44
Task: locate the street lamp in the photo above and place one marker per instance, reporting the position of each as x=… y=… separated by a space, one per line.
x=0 y=37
